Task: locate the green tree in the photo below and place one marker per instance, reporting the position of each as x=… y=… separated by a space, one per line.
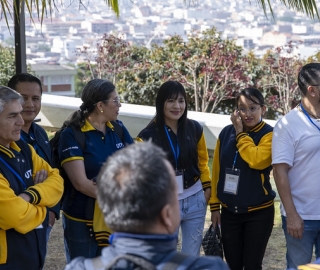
x=111 y=56
x=139 y=84
x=7 y=67
x=212 y=69
x=82 y=77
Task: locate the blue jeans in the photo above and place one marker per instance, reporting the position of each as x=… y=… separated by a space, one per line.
x=79 y=240
x=299 y=251
x=49 y=228
x=192 y=211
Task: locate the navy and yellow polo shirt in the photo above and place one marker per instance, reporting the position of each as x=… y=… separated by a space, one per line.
x=98 y=147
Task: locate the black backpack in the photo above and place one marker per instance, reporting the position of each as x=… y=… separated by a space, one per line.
x=81 y=140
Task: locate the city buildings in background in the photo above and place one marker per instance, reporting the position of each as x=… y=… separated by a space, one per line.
x=73 y=26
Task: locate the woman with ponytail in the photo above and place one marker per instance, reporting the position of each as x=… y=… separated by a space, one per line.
x=97 y=120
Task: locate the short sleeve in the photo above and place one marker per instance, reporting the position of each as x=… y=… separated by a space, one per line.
x=282 y=144
x=69 y=149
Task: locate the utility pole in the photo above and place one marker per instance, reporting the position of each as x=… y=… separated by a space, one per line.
x=20 y=37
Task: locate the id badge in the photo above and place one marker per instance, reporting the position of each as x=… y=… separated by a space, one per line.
x=179 y=180
x=231 y=182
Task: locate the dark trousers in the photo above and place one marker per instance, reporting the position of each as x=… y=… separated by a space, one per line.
x=245 y=237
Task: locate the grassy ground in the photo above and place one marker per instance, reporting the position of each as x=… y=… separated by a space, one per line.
x=274 y=257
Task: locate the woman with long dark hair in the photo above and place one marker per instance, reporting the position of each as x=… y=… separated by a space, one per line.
x=241 y=183
x=183 y=141
x=97 y=120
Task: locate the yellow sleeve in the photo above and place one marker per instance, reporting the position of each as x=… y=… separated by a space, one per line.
x=138 y=139
x=49 y=192
x=203 y=159
x=214 y=201
x=257 y=156
x=16 y=213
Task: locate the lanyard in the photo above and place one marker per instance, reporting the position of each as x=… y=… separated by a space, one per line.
x=305 y=112
x=234 y=160
x=15 y=173
x=175 y=154
x=31 y=140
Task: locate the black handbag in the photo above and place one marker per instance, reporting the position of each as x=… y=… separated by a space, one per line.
x=211 y=242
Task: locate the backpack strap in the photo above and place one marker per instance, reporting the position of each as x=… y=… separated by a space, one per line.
x=142 y=263
x=79 y=136
x=118 y=129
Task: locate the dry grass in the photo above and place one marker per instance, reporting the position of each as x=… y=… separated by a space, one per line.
x=274 y=257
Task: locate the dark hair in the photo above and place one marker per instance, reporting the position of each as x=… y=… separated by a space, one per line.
x=23 y=77
x=252 y=94
x=7 y=95
x=188 y=153
x=309 y=75
x=133 y=187
x=95 y=90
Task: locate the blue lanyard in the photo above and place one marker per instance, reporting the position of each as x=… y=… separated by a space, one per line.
x=305 y=112
x=175 y=154
x=33 y=141
x=15 y=173
x=234 y=160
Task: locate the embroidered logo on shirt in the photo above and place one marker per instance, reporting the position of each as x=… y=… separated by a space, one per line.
x=28 y=174
x=119 y=145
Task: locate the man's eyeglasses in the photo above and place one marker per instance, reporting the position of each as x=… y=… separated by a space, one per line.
x=251 y=110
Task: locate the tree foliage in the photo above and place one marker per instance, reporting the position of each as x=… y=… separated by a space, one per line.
x=213 y=70
x=7 y=66
x=210 y=68
x=111 y=56
x=279 y=82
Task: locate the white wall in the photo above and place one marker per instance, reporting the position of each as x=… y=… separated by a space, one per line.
x=56 y=109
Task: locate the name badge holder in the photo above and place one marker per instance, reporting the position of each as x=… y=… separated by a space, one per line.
x=232 y=176
x=179 y=173
x=179 y=180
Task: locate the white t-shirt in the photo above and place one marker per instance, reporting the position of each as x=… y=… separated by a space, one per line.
x=296 y=142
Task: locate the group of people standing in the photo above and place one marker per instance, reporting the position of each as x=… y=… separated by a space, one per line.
x=238 y=191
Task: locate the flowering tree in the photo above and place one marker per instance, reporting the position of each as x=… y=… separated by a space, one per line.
x=111 y=56
x=279 y=81
x=214 y=69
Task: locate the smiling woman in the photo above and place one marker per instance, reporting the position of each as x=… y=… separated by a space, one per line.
x=184 y=142
x=81 y=214
x=241 y=177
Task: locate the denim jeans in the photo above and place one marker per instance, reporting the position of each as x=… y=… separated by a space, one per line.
x=79 y=240
x=245 y=237
x=299 y=251
x=49 y=228
x=192 y=211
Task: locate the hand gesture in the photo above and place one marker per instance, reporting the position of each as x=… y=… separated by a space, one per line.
x=40 y=176
x=237 y=121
